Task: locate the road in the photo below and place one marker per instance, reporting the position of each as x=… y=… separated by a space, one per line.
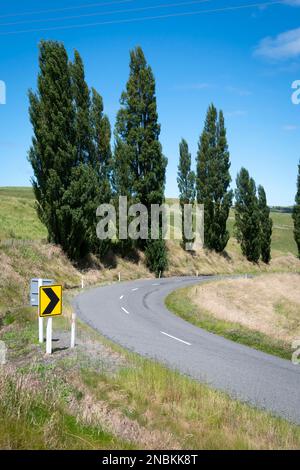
x=133 y=315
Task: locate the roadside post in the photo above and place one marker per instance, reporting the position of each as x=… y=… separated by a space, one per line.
x=49 y=336
x=50 y=305
x=73 y=330
x=41 y=321
x=119 y=277
x=35 y=285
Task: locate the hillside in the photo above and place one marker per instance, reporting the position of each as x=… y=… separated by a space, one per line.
x=25 y=253
x=100 y=396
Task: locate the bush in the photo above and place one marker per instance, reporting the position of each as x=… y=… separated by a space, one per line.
x=156 y=256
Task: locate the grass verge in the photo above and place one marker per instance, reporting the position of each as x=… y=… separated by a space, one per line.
x=76 y=400
x=180 y=303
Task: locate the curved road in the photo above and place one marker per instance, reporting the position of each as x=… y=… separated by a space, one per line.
x=133 y=315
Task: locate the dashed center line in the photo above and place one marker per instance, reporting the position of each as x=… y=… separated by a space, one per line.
x=177 y=339
x=122 y=296
x=124 y=310
x=136 y=288
x=156 y=284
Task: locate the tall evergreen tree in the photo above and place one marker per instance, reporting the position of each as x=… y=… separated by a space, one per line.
x=101 y=135
x=68 y=183
x=137 y=133
x=82 y=104
x=78 y=212
x=121 y=175
x=296 y=213
x=247 y=217
x=53 y=152
x=222 y=194
x=266 y=225
x=213 y=180
x=205 y=157
x=137 y=126
x=186 y=181
x=101 y=158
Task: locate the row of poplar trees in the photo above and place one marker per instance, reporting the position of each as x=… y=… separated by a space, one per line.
x=210 y=186
x=75 y=169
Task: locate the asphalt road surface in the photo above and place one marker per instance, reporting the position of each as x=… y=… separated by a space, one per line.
x=133 y=315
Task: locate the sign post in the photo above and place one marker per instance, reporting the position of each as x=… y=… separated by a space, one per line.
x=35 y=285
x=50 y=305
x=41 y=321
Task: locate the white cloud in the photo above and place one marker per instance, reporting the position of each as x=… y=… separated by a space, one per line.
x=290 y=128
x=236 y=113
x=283 y=46
x=293 y=3
x=238 y=91
x=192 y=86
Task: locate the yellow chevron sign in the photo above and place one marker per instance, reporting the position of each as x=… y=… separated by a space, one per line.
x=50 y=304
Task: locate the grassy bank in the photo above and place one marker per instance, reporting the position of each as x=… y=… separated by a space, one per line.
x=262 y=312
x=100 y=396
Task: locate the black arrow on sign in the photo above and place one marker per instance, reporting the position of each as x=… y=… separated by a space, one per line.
x=53 y=301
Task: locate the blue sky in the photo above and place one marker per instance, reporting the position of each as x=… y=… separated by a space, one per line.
x=244 y=60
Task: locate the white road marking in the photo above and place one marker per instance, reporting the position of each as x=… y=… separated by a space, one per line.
x=133 y=290
x=177 y=339
x=156 y=284
x=124 y=310
x=122 y=296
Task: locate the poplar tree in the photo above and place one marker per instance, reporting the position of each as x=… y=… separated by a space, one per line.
x=213 y=180
x=101 y=136
x=186 y=181
x=137 y=131
x=296 y=213
x=137 y=126
x=206 y=156
x=68 y=183
x=82 y=104
x=101 y=159
x=53 y=151
x=222 y=194
x=247 y=217
x=266 y=225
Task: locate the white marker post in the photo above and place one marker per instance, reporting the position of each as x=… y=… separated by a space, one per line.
x=49 y=336
x=73 y=330
x=41 y=320
x=82 y=284
x=119 y=277
x=197 y=273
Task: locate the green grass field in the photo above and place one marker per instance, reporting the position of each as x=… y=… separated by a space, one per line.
x=282 y=238
x=18 y=220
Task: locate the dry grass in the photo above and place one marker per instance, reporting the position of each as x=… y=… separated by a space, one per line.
x=20 y=262
x=269 y=303
x=232 y=261
x=83 y=402
x=34 y=414
x=191 y=415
